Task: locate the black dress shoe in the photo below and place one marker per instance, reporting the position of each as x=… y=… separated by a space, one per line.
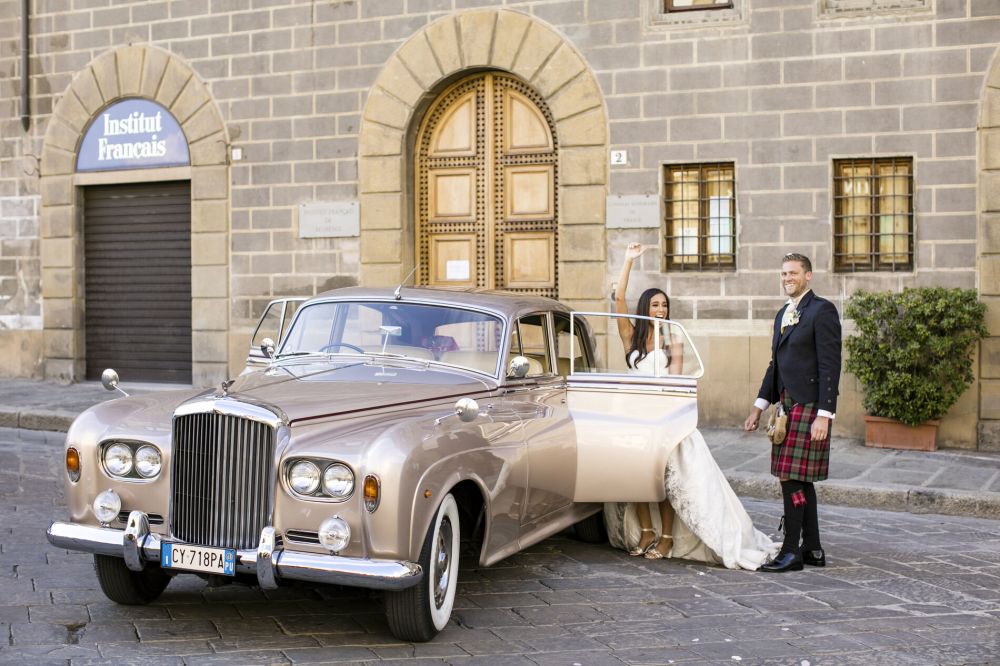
x=814 y=558
x=783 y=562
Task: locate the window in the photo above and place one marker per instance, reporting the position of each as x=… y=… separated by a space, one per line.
x=689 y=5
x=581 y=360
x=700 y=217
x=530 y=338
x=873 y=214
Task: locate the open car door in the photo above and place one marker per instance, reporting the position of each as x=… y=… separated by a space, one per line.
x=273 y=325
x=628 y=420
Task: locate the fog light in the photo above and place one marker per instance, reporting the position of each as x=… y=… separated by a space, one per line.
x=334 y=534
x=73 y=464
x=107 y=505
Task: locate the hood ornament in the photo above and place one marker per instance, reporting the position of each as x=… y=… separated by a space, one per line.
x=225 y=387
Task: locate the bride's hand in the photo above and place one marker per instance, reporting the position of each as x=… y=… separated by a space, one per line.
x=633 y=250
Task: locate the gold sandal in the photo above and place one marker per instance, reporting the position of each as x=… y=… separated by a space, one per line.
x=653 y=552
x=637 y=551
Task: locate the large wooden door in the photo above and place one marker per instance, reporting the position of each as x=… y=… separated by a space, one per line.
x=486 y=188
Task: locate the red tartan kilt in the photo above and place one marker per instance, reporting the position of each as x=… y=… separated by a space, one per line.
x=798 y=457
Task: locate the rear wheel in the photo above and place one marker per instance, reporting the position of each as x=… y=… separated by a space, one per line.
x=124 y=586
x=418 y=613
x=591 y=529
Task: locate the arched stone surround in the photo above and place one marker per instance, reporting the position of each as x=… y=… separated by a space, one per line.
x=507 y=41
x=148 y=72
x=989 y=256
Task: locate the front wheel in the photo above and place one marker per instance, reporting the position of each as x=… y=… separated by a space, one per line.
x=418 y=613
x=124 y=586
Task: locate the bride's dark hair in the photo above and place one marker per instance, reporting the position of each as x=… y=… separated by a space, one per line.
x=641 y=329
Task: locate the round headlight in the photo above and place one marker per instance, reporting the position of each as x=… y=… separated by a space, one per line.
x=334 y=534
x=303 y=477
x=107 y=505
x=118 y=459
x=338 y=481
x=147 y=461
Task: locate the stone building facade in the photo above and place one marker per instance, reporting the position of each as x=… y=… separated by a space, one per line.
x=284 y=103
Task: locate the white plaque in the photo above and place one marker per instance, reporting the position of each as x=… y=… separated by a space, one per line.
x=338 y=219
x=633 y=211
x=456 y=269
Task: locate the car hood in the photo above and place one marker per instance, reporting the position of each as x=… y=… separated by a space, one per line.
x=305 y=390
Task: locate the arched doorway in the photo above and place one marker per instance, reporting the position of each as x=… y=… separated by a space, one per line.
x=485 y=191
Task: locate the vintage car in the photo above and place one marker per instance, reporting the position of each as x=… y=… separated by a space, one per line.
x=386 y=429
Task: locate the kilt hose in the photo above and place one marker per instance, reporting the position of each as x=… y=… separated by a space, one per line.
x=798 y=457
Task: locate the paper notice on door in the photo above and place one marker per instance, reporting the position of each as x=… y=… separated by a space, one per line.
x=457 y=269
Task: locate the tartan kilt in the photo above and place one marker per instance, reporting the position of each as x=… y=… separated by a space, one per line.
x=798 y=457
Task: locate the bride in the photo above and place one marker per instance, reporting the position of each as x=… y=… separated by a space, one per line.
x=702 y=518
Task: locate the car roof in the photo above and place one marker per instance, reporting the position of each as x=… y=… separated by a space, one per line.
x=504 y=303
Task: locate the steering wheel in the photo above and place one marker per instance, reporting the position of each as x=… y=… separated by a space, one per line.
x=342 y=344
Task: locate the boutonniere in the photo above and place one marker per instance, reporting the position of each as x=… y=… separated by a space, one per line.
x=793 y=319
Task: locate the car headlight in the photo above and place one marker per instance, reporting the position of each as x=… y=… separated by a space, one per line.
x=338 y=481
x=118 y=459
x=334 y=534
x=147 y=461
x=107 y=505
x=303 y=477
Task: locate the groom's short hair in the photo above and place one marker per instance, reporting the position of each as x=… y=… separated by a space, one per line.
x=801 y=258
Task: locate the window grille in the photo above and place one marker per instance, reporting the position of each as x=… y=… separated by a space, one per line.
x=700 y=217
x=873 y=214
x=689 y=5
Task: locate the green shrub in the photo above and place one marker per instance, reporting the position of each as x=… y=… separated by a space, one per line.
x=912 y=351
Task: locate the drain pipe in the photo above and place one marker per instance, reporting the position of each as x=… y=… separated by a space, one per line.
x=25 y=75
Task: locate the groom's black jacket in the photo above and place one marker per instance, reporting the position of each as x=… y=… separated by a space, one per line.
x=805 y=360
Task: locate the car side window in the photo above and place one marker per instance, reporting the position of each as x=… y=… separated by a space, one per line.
x=268 y=325
x=530 y=339
x=582 y=361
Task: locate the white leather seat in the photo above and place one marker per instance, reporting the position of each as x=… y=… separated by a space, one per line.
x=482 y=361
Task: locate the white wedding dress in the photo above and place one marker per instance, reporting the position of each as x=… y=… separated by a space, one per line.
x=711 y=524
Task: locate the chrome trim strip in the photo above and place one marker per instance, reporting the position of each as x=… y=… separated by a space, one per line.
x=314 y=568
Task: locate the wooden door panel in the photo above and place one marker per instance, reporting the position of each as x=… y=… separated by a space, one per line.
x=525 y=129
x=453 y=194
x=453 y=260
x=456 y=135
x=529 y=260
x=529 y=192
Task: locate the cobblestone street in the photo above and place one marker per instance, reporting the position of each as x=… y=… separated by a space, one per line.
x=900 y=589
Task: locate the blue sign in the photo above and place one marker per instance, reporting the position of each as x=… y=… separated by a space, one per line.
x=133 y=134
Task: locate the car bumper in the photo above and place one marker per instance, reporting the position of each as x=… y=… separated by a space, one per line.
x=269 y=562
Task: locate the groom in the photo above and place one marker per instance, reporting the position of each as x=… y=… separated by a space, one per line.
x=803 y=375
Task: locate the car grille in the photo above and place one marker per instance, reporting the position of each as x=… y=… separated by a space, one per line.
x=222 y=474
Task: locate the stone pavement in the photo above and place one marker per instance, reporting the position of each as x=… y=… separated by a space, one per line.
x=949 y=482
x=900 y=590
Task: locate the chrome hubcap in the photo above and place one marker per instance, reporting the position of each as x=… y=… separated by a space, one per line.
x=442 y=562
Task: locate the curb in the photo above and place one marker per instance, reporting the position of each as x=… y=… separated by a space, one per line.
x=887 y=497
x=37 y=419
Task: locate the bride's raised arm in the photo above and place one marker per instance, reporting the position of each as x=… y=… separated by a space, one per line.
x=632 y=252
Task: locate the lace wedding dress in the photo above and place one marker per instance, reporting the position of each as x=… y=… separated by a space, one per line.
x=711 y=524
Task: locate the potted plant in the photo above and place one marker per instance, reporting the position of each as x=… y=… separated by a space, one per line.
x=912 y=353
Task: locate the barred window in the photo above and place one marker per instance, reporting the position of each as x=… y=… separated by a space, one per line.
x=700 y=217
x=873 y=214
x=688 y=5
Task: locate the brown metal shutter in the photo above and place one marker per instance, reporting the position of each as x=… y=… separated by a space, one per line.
x=137 y=258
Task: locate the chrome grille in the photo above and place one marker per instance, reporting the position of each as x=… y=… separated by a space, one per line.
x=221 y=479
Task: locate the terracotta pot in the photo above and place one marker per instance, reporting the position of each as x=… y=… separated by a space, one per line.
x=891 y=434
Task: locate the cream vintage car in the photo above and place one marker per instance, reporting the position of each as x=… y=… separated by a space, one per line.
x=388 y=428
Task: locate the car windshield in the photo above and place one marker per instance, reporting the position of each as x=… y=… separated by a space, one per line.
x=450 y=335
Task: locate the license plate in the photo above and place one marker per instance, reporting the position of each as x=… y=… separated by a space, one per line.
x=220 y=561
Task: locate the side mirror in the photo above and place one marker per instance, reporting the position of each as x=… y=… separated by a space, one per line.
x=466 y=409
x=109 y=380
x=267 y=347
x=519 y=367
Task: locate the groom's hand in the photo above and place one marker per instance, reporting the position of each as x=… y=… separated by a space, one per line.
x=753 y=421
x=820 y=428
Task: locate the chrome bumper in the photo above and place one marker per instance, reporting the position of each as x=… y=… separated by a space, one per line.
x=269 y=563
